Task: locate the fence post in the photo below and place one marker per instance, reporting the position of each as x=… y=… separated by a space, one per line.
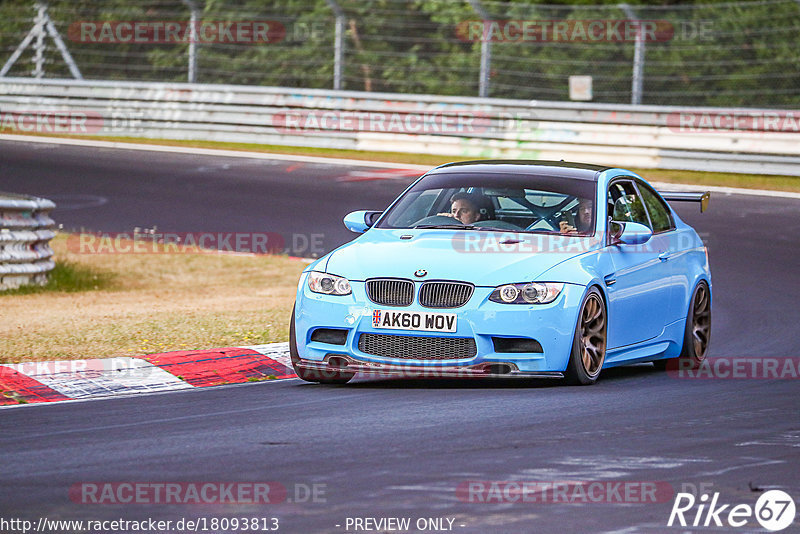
x=638 y=57
x=486 y=50
x=38 y=47
x=192 y=67
x=338 y=46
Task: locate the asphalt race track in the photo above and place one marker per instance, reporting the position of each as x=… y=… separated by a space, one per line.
x=117 y=191
x=401 y=448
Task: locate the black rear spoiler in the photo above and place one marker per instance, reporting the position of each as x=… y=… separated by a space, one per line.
x=682 y=196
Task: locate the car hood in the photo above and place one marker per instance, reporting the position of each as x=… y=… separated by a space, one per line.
x=482 y=258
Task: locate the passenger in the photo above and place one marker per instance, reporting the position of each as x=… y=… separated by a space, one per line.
x=583 y=223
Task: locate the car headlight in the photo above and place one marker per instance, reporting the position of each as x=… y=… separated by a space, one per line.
x=328 y=284
x=527 y=293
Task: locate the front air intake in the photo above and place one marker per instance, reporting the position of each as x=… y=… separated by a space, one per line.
x=515 y=345
x=332 y=336
x=417 y=347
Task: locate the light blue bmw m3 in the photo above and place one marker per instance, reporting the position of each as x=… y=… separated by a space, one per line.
x=508 y=268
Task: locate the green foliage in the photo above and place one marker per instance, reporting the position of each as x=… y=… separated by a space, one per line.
x=67 y=277
x=740 y=53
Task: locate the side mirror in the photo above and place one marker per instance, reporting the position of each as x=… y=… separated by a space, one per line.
x=361 y=221
x=629 y=233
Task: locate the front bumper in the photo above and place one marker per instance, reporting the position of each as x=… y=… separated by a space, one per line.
x=551 y=325
x=334 y=363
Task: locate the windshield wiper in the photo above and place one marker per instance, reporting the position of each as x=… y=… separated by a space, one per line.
x=448 y=226
x=473 y=227
x=504 y=230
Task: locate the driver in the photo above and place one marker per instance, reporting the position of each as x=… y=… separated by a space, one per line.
x=583 y=223
x=468 y=208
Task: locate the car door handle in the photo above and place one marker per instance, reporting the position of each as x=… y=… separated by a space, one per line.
x=664 y=256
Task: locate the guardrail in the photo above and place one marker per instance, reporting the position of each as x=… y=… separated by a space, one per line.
x=25 y=233
x=711 y=139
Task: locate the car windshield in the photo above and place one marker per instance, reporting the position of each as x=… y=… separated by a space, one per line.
x=507 y=202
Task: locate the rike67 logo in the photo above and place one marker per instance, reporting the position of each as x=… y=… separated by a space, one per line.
x=774 y=510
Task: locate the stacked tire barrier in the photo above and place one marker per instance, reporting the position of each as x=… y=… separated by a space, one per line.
x=25 y=233
x=668 y=137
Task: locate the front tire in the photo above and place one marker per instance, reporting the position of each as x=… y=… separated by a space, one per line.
x=589 y=342
x=697 y=334
x=313 y=375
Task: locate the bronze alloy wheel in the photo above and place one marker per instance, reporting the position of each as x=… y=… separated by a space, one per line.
x=701 y=321
x=589 y=344
x=697 y=332
x=593 y=335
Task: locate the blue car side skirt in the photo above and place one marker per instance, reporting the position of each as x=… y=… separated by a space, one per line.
x=666 y=345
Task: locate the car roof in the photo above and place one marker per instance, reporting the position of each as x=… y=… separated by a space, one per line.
x=566 y=169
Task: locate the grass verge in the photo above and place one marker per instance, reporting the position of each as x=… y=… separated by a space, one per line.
x=103 y=305
x=68 y=277
x=747 y=181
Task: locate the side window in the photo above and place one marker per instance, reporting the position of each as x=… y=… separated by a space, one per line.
x=659 y=212
x=615 y=191
x=625 y=204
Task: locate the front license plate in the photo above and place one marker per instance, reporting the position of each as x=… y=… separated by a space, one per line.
x=421 y=321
